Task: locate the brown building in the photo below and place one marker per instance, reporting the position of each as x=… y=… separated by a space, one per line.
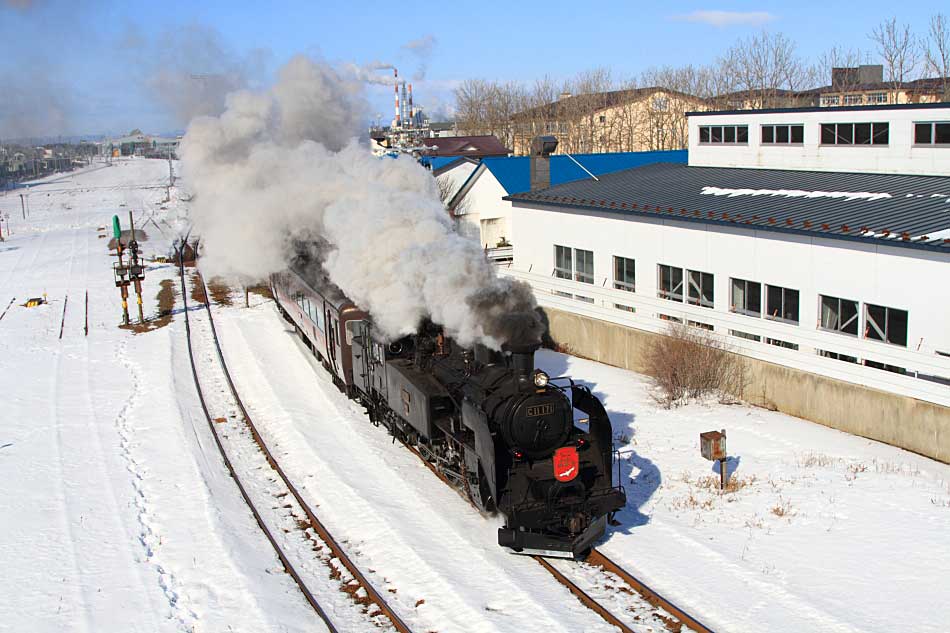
x=632 y=120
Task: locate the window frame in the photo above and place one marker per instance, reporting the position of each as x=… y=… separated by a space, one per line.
x=669 y=295
x=581 y=276
x=774 y=127
x=783 y=319
x=744 y=310
x=842 y=131
x=871 y=324
x=711 y=139
x=624 y=285
x=839 y=329
x=933 y=134
x=700 y=299
x=560 y=272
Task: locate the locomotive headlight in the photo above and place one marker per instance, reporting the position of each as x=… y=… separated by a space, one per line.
x=541 y=379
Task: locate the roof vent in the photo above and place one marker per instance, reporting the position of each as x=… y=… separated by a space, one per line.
x=541 y=149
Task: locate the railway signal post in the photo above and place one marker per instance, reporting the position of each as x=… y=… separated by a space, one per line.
x=120 y=271
x=136 y=269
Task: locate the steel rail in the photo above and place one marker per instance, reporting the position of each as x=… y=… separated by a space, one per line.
x=599 y=559
x=315 y=522
x=288 y=566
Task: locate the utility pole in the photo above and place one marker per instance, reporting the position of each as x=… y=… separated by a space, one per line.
x=22 y=206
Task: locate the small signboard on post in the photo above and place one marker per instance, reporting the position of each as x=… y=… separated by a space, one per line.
x=712 y=445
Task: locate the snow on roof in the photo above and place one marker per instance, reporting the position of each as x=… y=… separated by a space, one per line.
x=795 y=193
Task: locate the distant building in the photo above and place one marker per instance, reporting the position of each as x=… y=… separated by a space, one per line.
x=639 y=119
x=139 y=144
x=470 y=146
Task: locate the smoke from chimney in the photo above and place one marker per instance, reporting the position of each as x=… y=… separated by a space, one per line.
x=281 y=168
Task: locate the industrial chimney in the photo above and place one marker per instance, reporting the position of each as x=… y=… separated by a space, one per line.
x=541 y=149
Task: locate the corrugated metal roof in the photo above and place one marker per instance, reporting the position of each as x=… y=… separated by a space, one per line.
x=514 y=172
x=911 y=211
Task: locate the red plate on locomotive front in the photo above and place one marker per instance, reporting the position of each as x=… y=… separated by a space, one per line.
x=566 y=463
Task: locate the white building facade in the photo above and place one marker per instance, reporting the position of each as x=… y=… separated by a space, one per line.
x=897 y=139
x=844 y=275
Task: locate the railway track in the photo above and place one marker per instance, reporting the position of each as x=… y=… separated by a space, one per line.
x=672 y=617
x=373 y=596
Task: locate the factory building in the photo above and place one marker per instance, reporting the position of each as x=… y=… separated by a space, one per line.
x=814 y=242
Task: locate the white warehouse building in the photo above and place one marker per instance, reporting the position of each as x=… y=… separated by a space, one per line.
x=816 y=241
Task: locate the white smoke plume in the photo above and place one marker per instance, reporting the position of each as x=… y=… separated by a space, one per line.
x=282 y=167
x=421 y=49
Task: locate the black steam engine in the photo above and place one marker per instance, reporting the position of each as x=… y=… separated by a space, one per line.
x=537 y=450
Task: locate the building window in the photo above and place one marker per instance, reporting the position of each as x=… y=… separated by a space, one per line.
x=747 y=297
x=671 y=319
x=836 y=356
x=853 y=99
x=602 y=118
x=854 y=133
x=783 y=134
x=700 y=289
x=935 y=133
x=625 y=276
x=746 y=336
x=702 y=326
x=724 y=134
x=839 y=315
x=829 y=100
x=670 y=283
x=877 y=97
x=779 y=343
x=661 y=104
x=885 y=324
x=584 y=299
x=584 y=266
x=891 y=368
x=625 y=308
x=563 y=269
x=781 y=304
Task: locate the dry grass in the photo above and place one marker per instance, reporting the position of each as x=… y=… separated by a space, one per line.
x=690 y=363
x=853 y=468
x=262 y=290
x=220 y=292
x=783 y=508
x=166 y=304
x=197 y=289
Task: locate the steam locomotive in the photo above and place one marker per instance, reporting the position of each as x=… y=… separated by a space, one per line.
x=495 y=427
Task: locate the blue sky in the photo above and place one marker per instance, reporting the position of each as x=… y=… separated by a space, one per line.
x=98 y=56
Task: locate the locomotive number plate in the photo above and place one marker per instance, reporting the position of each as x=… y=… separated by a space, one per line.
x=539 y=409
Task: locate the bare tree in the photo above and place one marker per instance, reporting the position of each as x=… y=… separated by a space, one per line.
x=899 y=51
x=937 y=51
x=765 y=67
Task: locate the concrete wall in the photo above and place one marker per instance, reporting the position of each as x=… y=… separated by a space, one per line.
x=901 y=421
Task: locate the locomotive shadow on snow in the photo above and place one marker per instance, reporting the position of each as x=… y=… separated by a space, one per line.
x=648 y=478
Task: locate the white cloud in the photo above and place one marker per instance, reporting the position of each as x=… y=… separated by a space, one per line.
x=728 y=18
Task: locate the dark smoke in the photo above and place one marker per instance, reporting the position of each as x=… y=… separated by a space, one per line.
x=507 y=312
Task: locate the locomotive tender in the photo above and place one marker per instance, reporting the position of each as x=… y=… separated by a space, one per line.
x=493 y=425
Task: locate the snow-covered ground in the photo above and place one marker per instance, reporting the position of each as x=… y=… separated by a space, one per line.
x=118 y=514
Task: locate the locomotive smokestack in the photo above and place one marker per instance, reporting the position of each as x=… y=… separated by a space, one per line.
x=522 y=358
